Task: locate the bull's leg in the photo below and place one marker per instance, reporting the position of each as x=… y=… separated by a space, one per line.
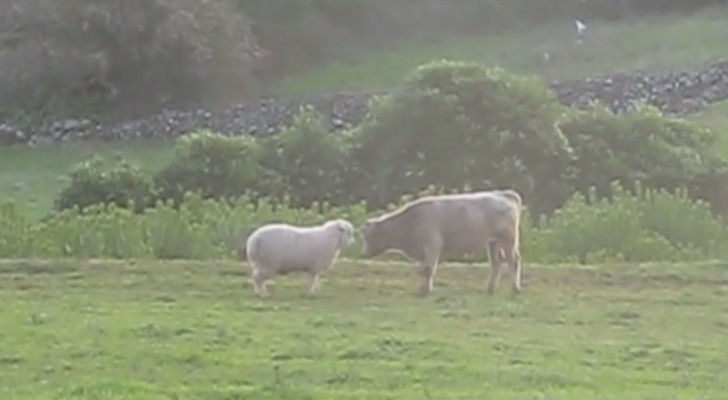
x=428 y=270
x=259 y=277
x=513 y=255
x=496 y=256
x=314 y=286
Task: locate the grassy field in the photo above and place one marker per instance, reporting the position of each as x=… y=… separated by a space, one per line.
x=116 y=330
x=34 y=176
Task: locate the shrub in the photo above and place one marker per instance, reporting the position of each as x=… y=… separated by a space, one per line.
x=211 y=164
x=126 y=56
x=100 y=181
x=309 y=160
x=649 y=226
x=194 y=229
x=460 y=124
x=660 y=151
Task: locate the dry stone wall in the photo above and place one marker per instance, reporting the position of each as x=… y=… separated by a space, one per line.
x=676 y=93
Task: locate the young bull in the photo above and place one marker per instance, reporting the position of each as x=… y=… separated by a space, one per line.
x=425 y=228
x=278 y=249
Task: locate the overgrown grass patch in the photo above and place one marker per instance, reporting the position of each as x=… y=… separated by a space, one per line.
x=118 y=330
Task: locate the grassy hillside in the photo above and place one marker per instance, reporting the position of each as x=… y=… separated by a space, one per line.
x=647 y=43
x=33 y=176
x=117 y=330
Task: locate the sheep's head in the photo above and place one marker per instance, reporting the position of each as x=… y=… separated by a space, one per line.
x=345 y=230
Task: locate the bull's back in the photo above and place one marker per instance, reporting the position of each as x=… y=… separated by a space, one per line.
x=467 y=222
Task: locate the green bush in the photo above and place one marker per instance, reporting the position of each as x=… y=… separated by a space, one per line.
x=309 y=161
x=660 y=151
x=124 y=57
x=645 y=145
x=104 y=181
x=458 y=124
x=649 y=226
x=213 y=165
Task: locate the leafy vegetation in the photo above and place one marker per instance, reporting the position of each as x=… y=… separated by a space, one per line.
x=458 y=124
x=100 y=181
x=192 y=330
x=651 y=226
x=658 y=150
x=210 y=164
x=454 y=126
x=122 y=57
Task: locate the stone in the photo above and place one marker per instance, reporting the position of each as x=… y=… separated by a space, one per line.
x=672 y=92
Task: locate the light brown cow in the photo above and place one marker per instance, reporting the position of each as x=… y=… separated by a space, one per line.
x=426 y=228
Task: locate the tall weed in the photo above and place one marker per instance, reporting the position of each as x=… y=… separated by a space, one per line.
x=647 y=226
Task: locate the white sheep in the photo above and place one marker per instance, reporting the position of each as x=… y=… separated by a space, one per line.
x=279 y=249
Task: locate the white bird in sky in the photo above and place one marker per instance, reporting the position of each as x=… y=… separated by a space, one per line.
x=580 y=29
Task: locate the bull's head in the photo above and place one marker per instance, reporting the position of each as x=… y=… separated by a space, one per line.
x=374 y=242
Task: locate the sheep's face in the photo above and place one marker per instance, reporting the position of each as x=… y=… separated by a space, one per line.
x=373 y=243
x=346 y=232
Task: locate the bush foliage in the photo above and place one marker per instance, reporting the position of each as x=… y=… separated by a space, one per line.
x=136 y=56
x=99 y=181
x=650 y=226
x=127 y=56
x=459 y=124
x=597 y=186
x=210 y=164
x=453 y=126
x=308 y=163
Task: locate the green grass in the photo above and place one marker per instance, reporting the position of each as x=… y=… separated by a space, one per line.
x=34 y=176
x=116 y=330
x=653 y=43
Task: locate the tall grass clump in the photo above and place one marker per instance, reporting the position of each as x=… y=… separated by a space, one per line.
x=651 y=225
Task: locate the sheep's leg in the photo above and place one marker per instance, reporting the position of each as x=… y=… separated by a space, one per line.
x=314 y=286
x=259 y=279
x=496 y=255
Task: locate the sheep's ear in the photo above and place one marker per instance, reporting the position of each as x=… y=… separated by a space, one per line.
x=343 y=227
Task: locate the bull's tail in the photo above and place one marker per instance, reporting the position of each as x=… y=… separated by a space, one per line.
x=242 y=252
x=247 y=249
